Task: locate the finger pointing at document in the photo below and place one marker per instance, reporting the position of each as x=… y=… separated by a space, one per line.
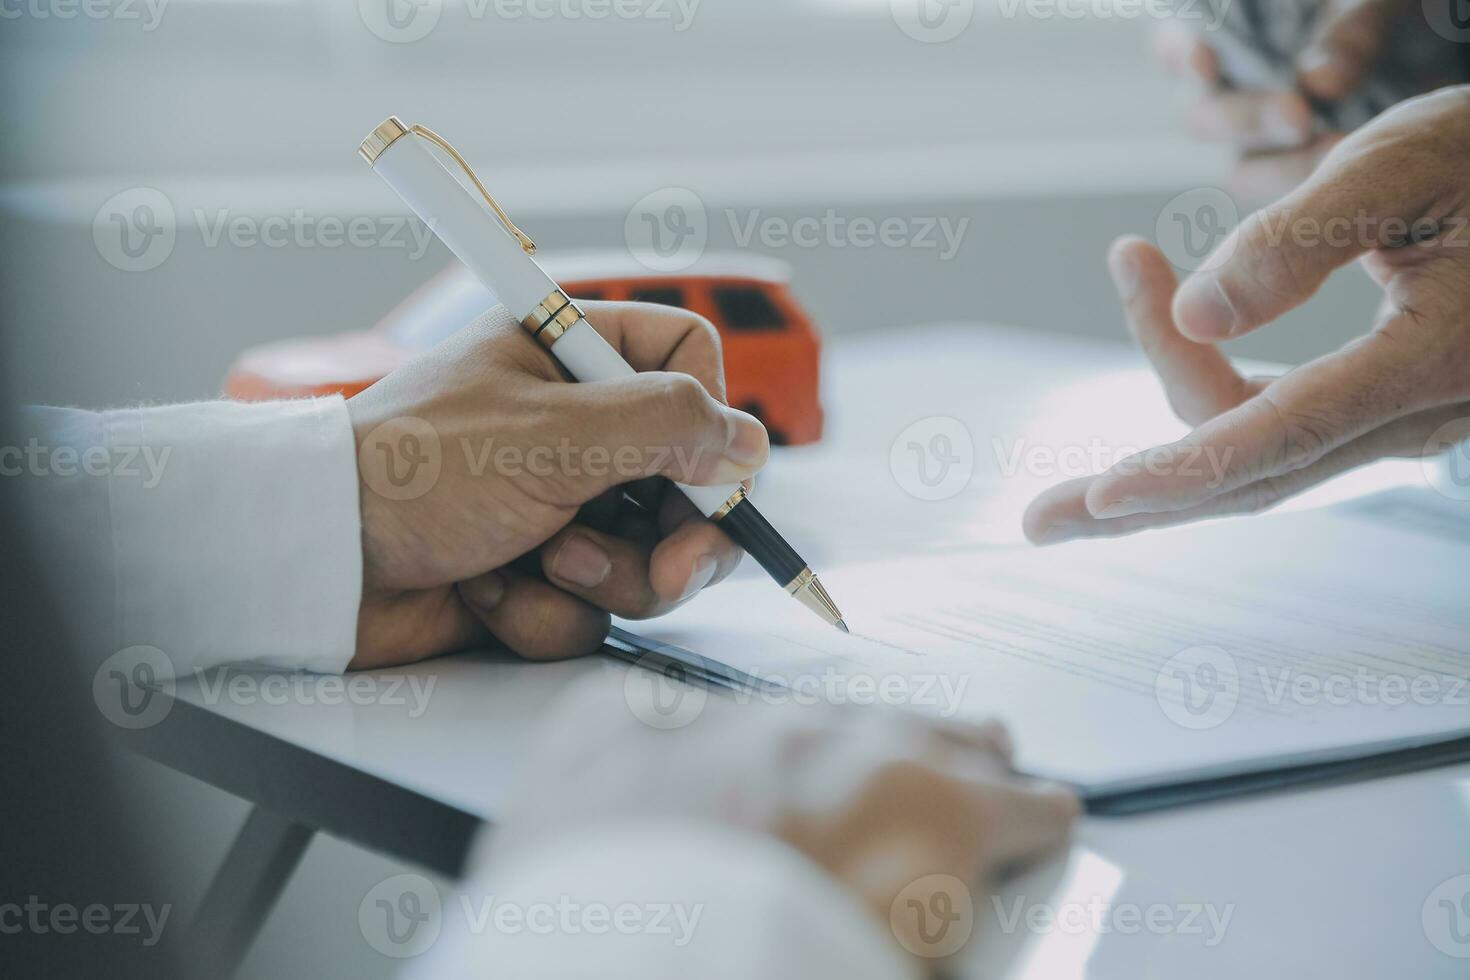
x=1396 y=195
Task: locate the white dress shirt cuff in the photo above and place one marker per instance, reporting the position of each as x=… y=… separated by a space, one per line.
x=236 y=534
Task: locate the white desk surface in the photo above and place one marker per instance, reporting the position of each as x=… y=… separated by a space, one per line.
x=1332 y=882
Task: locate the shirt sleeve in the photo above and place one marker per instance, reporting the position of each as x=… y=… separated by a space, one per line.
x=667 y=899
x=217 y=532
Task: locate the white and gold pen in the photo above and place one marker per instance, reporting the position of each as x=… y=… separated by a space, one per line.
x=500 y=254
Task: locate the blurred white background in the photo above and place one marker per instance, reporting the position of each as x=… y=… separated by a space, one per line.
x=1050 y=134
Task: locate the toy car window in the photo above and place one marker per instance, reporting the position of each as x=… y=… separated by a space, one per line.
x=743 y=308
x=664 y=296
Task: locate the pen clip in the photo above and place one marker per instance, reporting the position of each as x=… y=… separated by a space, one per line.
x=528 y=246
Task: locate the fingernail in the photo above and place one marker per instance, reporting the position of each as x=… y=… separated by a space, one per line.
x=1122 y=507
x=1205 y=310
x=704 y=570
x=581 y=562
x=484 y=592
x=1124 y=272
x=1278 y=127
x=746 y=442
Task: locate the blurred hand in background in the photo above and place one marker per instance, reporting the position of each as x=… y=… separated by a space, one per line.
x=1272 y=126
x=881 y=800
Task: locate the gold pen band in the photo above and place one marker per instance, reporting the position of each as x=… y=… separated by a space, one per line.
x=545 y=310
x=552 y=317
x=802 y=579
x=729 y=504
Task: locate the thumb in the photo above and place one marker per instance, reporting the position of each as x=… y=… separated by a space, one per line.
x=1344 y=50
x=661 y=423
x=1363 y=196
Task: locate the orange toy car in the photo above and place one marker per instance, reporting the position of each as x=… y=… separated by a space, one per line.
x=771 y=347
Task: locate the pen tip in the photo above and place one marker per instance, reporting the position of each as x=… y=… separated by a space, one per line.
x=843 y=626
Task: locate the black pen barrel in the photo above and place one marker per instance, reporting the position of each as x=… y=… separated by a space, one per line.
x=749 y=528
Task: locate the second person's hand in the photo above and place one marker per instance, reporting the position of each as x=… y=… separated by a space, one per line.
x=892 y=805
x=1394 y=195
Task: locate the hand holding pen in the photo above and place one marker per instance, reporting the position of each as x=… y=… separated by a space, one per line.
x=492 y=492
x=484 y=238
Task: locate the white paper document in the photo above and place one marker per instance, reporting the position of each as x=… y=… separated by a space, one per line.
x=1239 y=646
